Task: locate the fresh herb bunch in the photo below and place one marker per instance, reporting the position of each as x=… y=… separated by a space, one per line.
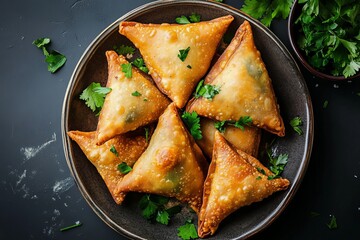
x=330 y=35
x=267 y=10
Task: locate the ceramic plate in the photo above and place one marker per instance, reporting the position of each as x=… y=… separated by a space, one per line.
x=290 y=89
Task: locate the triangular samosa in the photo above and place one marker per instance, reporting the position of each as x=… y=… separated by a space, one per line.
x=132 y=102
x=232 y=183
x=245 y=86
x=172 y=165
x=178 y=56
x=247 y=140
x=125 y=148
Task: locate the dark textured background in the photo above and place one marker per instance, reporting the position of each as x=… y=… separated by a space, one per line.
x=34 y=207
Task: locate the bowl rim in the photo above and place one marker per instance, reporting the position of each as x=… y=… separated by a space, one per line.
x=308 y=126
x=300 y=55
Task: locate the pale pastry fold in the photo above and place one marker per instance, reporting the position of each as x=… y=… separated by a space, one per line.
x=245 y=86
x=171 y=166
x=160 y=45
x=129 y=148
x=231 y=183
x=247 y=140
x=123 y=110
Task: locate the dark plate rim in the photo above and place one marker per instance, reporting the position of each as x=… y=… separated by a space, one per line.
x=309 y=125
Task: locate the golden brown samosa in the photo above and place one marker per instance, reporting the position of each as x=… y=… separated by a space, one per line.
x=232 y=183
x=178 y=56
x=247 y=140
x=125 y=148
x=133 y=102
x=172 y=165
x=245 y=86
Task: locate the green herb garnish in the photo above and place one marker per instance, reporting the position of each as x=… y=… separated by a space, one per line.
x=94 y=96
x=329 y=35
x=124 y=50
x=242 y=122
x=152 y=208
x=296 y=123
x=206 y=90
x=124 y=168
x=114 y=151
x=136 y=94
x=54 y=59
x=192 y=122
x=193 y=18
x=183 y=53
x=187 y=231
x=325 y=104
x=332 y=224
x=277 y=164
x=127 y=69
x=267 y=10
x=220 y=126
x=77 y=224
x=146 y=134
x=139 y=63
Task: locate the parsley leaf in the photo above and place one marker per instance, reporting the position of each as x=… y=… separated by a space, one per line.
x=243 y=121
x=153 y=208
x=54 y=59
x=267 y=10
x=124 y=50
x=220 y=126
x=183 y=53
x=187 y=231
x=182 y=20
x=136 y=94
x=295 y=123
x=277 y=164
x=124 y=168
x=206 y=90
x=94 y=96
x=139 y=63
x=113 y=150
x=126 y=68
x=192 y=122
x=193 y=18
x=332 y=224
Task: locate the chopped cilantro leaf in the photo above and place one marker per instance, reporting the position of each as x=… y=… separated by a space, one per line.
x=187 y=231
x=124 y=168
x=41 y=42
x=182 y=20
x=295 y=123
x=260 y=170
x=183 y=53
x=277 y=164
x=126 y=68
x=94 y=96
x=113 y=150
x=243 y=121
x=124 y=50
x=148 y=207
x=163 y=217
x=173 y=210
x=136 y=94
x=220 y=126
x=139 y=63
x=258 y=178
x=325 y=104
x=332 y=224
x=192 y=122
x=267 y=10
x=194 y=18
x=206 y=90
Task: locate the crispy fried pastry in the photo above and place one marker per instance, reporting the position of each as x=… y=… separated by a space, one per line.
x=245 y=86
x=129 y=148
x=160 y=46
x=124 y=111
x=231 y=183
x=172 y=165
x=247 y=140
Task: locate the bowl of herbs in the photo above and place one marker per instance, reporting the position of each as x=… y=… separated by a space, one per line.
x=325 y=36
